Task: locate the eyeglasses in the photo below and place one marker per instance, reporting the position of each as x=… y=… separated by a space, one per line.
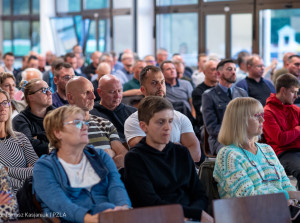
x=44 y=90
x=271 y=164
x=259 y=115
x=5 y=103
x=78 y=123
x=67 y=77
x=260 y=66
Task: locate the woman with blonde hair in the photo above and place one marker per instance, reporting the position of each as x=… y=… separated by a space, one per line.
x=16 y=152
x=74 y=181
x=245 y=167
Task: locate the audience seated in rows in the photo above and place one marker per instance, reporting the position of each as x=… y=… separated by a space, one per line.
x=74 y=181
x=282 y=124
x=153 y=84
x=38 y=96
x=158 y=171
x=101 y=132
x=110 y=107
x=215 y=100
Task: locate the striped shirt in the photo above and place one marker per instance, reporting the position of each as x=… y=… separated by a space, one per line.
x=17 y=154
x=101 y=132
x=237 y=176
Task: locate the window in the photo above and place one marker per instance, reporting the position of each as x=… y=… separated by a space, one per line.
x=96 y=4
x=68 y=6
x=175 y=2
x=20 y=26
x=178 y=33
x=280 y=33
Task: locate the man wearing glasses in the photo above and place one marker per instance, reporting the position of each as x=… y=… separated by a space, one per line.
x=63 y=72
x=38 y=96
x=282 y=124
x=256 y=86
x=216 y=99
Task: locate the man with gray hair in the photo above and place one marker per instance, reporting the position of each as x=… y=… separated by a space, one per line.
x=125 y=74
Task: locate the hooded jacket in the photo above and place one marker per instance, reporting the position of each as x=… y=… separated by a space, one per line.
x=281 y=126
x=59 y=199
x=154 y=177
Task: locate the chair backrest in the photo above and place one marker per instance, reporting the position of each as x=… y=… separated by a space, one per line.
x=206 y=149
x=259 y=209
x=156 y=214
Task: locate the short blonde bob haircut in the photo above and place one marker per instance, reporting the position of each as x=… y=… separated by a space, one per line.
x=54 y=121
x=235 y=122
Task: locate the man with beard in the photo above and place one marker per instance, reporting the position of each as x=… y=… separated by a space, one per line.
x=215 y=100
x=102 y=133
x=153 y=84
x=110 y=107
x=63 y=72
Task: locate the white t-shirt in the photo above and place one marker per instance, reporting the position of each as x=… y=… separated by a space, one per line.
x=181 y=124
x=81 y=175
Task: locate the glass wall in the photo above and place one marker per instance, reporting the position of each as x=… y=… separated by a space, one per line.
x=20 y=26
x=178 y=33
x=279 y=33
x=123 y=30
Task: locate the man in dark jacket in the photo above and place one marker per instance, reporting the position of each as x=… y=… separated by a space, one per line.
x=158 y=171
x=30 y=121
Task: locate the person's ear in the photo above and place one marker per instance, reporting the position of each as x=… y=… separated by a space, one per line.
x=55 y=79
x=70 y=98
x=57 y=134
x=143 y=90
x=144 y=126
x=99 y=92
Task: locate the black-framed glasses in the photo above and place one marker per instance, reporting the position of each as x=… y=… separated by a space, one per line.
x=78 y=123
x=255 y=165
x=44 y=90
x=5 y=103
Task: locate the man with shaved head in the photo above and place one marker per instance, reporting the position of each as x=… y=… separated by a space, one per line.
x=102 y=133
x=110 y=107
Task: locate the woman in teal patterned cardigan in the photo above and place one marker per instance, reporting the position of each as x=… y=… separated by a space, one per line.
x=243 y=166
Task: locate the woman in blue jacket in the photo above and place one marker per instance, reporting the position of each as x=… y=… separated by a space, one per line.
x=75 y=182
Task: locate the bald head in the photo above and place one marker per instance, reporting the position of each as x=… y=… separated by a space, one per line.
x=102 y=69
x=110 y=91
x=31 y=73
x=80 y=92
x=286 y=58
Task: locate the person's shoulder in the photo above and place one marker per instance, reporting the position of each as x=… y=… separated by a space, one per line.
x=128 y=107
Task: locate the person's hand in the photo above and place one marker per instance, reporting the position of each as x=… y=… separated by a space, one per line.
x=110 y=152
x=88 y=218
x=5 y=198
x=119 y=161
x=206 y=218
x=119 y=208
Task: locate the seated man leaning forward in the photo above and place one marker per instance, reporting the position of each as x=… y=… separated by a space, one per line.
x=153 y=84
x=74 y=181
x=158 y=171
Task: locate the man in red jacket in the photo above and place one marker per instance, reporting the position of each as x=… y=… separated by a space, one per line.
x=282 y=124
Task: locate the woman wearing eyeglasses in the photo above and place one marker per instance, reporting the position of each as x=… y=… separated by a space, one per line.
x=16 y=152
x=75 y=182
x=243 y=166
x=38 y=96
x=8 y=84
